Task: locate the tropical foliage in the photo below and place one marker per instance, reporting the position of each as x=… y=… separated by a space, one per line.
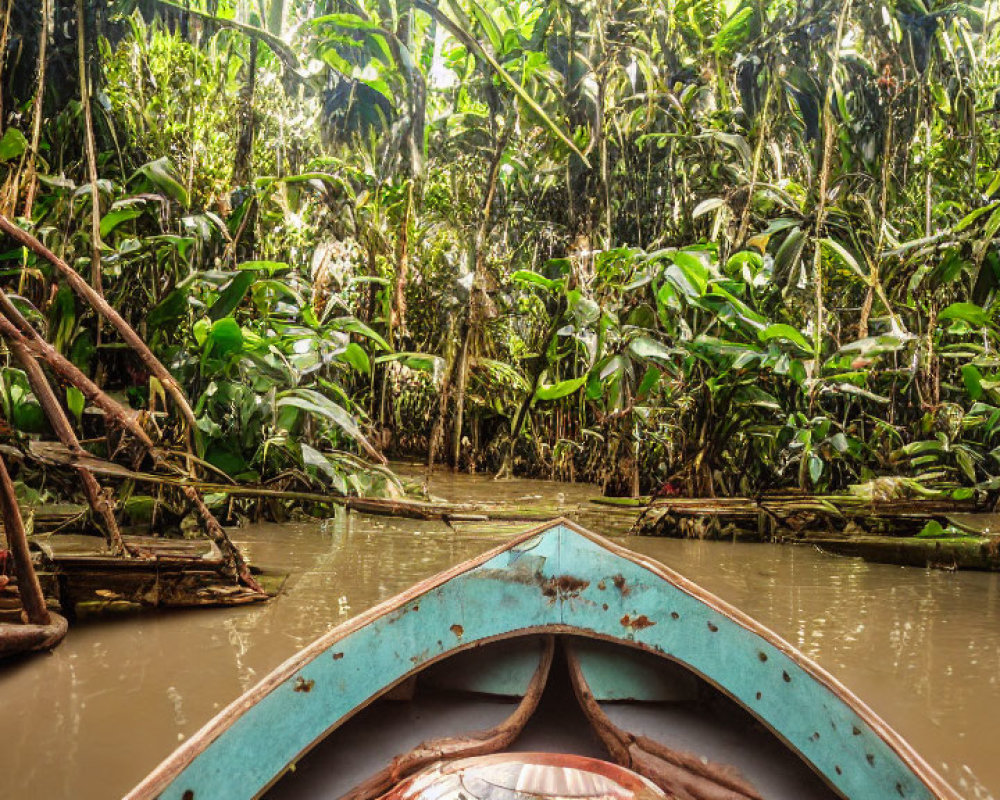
x=717 y=245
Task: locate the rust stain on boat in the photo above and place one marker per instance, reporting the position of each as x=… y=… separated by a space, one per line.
x=563 y=586
x=303 y=685
x=337 y=656
x=620 y=585
x=638 y=623
x=457 y=629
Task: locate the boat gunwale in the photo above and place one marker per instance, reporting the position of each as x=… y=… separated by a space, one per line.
x=177 y=761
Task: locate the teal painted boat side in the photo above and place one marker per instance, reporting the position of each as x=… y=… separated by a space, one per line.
x=564 y=580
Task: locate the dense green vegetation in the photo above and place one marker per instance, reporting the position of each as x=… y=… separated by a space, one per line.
x=725 y=245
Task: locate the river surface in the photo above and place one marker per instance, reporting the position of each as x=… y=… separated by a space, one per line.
x=89 y=720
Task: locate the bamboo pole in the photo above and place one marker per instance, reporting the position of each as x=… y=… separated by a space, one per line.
x=27 y=581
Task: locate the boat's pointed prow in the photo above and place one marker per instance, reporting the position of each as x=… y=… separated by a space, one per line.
x=555 y=579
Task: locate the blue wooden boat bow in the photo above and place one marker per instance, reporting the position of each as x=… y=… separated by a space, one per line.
x=558 y=578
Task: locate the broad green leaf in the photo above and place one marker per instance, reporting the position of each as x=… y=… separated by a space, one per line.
x=315 y=461
x=424 y=362
x=322 y=406
x=524 y=276
x=815 y=468
x=162 y=174
x=353 y=325
x=355 y=355
x=845 y=256
x=347 y=21
x=489 y=26
x=705 y=206
x=225 y=338
x=782 y=331
x=734 y=32
x=556 y=391
x=973 y=380
x=645 y=347
x=972 y=216
x=966 y=312
x=114 y=218
x=75 y=402
x=12 y=145
x=789 y=255
x=232 y=295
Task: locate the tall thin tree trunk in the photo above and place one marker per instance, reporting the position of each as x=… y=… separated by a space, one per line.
x=755 y=167
x=88 y=125
x=398 y=320
x=824 y=178
x=4 y=38
x=31 y=177
x=474 y=310
x=244 y=147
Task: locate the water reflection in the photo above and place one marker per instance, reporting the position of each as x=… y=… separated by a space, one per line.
x=91 y=719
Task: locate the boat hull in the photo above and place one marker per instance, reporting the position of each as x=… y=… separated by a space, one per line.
x=558 y=579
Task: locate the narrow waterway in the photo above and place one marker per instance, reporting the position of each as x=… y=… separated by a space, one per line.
x=89 y=720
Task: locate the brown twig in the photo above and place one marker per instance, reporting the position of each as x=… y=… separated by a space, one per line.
x=15 y=328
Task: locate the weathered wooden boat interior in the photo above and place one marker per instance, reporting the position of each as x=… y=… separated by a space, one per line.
x=564 y=694
x=649 y=660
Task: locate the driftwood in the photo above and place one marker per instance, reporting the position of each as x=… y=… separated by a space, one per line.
x=684 y=775
x=80 y=572
x=218 y=535
x=950 y=553
x=783 y=515
x=472 y=744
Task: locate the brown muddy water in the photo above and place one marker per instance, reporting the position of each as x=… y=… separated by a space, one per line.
x=89 y=720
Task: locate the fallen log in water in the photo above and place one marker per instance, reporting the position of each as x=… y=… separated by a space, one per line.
x=56 y=454
x=957 y=552
x=883 y=531
x=772 y=517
